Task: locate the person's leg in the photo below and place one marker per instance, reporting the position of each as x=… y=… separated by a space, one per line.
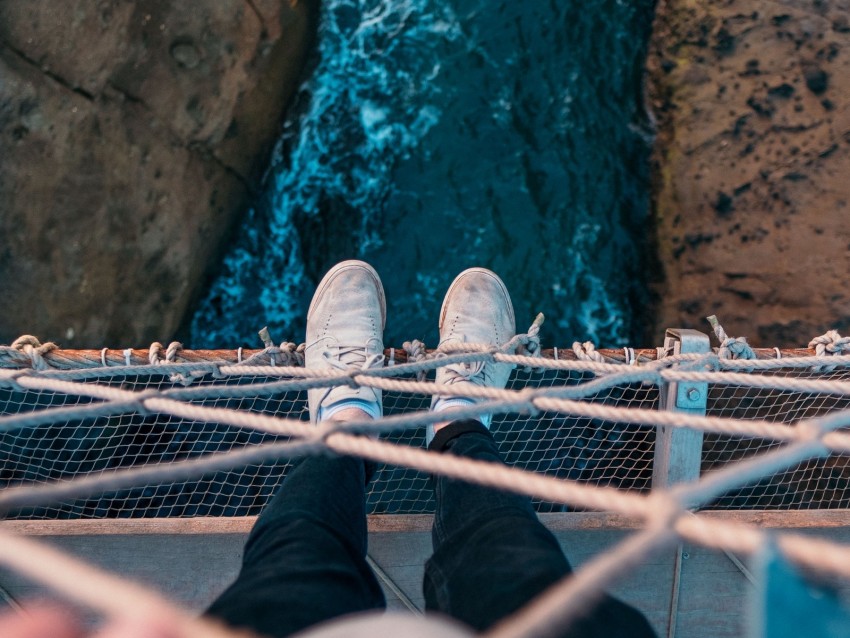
x=491 y=553
x=305 y=560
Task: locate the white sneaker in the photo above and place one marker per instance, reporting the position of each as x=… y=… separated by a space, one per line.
x=345 y=330
x=477 y=309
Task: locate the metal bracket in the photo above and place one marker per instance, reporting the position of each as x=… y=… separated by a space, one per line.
x=690 y=396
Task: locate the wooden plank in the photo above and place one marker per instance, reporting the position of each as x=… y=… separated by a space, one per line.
x=192 y=560
x=128 y=526
x=390 y=523
x=189 y=569
x=711 y=587
x=714 y=591
x=402 y=556
x=647 y=587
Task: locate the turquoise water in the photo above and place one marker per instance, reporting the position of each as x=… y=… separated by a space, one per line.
x=432 y=136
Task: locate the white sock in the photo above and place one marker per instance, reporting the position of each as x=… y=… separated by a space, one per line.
x=455 y=402
x=369 y=407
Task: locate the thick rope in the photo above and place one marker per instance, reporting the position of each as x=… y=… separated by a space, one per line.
x=32 y=349
x=416 y=353
x=830 y=343
x=500 y=401
x=730 y=348
x=81 y=364
x=805 y=432
x=587 y=352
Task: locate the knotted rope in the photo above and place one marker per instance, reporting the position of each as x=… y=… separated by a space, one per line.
x=527 y=344
x=587 y=352
x=286 y=354
x=32 y=348
x=155 y=353
x=155 y=358
x=416 y=352
x=730 y=347
x=292 y=354
x=829 y=343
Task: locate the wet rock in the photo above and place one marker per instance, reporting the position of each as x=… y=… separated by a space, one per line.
x=750 y=185
x=132 y=135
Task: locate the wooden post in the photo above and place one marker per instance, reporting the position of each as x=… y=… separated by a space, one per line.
x=678 y=451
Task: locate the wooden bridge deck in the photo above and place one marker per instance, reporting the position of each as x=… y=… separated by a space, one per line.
x=192 y=560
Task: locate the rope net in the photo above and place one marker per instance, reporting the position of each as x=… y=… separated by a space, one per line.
x=117 y=434
x=578 y=448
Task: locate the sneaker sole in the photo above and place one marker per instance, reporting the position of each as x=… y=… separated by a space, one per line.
x=346 y=265
x=483 y=271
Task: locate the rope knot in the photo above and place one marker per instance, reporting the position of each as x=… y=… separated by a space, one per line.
x=526 y=345
x=415 y=350
x=530 y=343
x=325 y=430
x=35 y=350
x=155 y=358
x=730 y=347
x=292 y=354
x=735 y=348
x=287 y=354
x=172 y=351
x=416 y=353
x=587 y=352
x=155 y=353
x=829 y=344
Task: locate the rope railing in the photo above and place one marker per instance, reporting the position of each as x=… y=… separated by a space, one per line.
x=59 y=359
x=667 y=514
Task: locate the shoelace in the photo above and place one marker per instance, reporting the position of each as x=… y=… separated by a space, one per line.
x=347 y=357
x=471 y=372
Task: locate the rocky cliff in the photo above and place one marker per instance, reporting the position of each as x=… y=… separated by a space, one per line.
x=752 y=166
x=132 y=134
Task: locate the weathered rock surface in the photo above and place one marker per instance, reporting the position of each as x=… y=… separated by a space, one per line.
x=131 y=136
x=752 y=166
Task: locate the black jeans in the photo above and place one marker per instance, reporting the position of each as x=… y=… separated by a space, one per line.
x=305 y=559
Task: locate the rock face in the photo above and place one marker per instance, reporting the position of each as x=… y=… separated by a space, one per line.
x=131 y=136
x=752 y=166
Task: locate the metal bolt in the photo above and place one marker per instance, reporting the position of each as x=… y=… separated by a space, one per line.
x=685 y=555
x=693 y=394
